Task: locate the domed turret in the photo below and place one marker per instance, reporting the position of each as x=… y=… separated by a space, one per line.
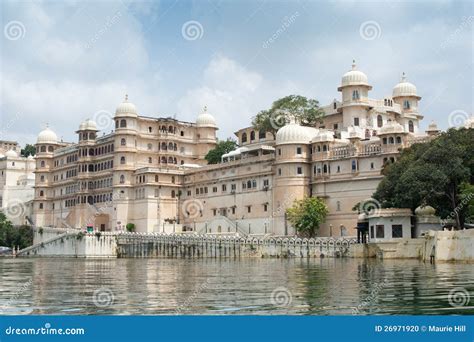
x=88 y=125
x=47 y=136
x=354 y=77
x=405 y=88
x=11 y=154
x=391 y=127
x=126 y=109
x=425 y=211
x=205 y=119
x=295 y=134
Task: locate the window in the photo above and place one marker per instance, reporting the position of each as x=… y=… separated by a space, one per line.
x=42 y=163
x=279 y=172
x=123 y=142
x=279 y=151
x=122 y=160
x=41 y=193
x=123 y=123
x=182 y=133
x=150 y=160
x=371 y=166
x=354 y=165
x=224 y=187
x=399 y=140
x=298 y=150
x=261 y=134
x=249 y=209
x=233 y=187
x=391 y=140
x=265 y=207
x=266 y=182
x=356 y=121
x=150 y=129
x=380 y=231
x=149 y=146
x=335 y=126
x=355 y=95
x=371 y=232
x=338 y=206
x=233 y=210
x=406 y=104
x=252 y=136
x=299 y=170
x=397 y=231
x=379 y=121
x=156 y=178
x=411 y=127
x=173 y=194
x=244 y=137
x=41 y=205
x=334 y=105
x=338 y=169
x=214 y=189
x=384 y=141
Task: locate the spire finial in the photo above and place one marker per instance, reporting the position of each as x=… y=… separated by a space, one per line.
x=126 y=97
x=404 y=77
x=354 y=66
x=205 y=109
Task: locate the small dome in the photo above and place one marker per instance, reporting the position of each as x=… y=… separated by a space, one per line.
x=469 y=122
x=88 y=125
x=391 y=127
x=293 y=133
x=126 y=108
x=47 y=136
x=205 y=119
x=404 y=88
x=354 y=77
x=425 y=211
x=11 y=153
x=323 y=135
x=432 y=127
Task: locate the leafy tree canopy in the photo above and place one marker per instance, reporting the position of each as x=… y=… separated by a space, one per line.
x=306 y=111
x=222 y=147
x=437 y=173
x=11 y=236
x=29 y=150
x=307 y=214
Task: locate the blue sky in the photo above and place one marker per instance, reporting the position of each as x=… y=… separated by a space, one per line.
x=69 y=60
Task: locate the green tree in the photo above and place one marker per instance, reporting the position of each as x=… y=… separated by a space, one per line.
x=306 y=111
x=307 y=214
x=222 y=147
x=432 y=173
x=11 y=236
x=29 y=150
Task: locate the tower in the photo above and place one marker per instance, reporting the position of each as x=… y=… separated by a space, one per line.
x=405 y=95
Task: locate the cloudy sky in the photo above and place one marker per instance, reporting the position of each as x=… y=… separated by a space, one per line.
x=65 y=61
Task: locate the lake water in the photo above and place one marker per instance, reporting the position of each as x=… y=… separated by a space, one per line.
x=245 y=286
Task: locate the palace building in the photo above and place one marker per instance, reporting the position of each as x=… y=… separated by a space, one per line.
x=152 y=172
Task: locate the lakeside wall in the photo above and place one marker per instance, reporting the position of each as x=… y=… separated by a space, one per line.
x=446 y=246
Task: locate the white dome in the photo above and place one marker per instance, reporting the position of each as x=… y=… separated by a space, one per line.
x=126 y=108
x=205 y=119
x=404 y=88
x=425 y=211
x=391 y=127
x=295 y=134
x=469 y=122
x=47 y=136
x=432 y=127
x=88 y=125
x=354 y=77
x=11 y=153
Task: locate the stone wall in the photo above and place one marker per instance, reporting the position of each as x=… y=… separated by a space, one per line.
x=449 y=245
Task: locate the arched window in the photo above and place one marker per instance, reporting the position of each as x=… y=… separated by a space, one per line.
x=123 y=142
x=355 y=95
x=43 y=148
x=150 y=129
x=91 y=151
x=122 y=160
x=252 y=136
x=170 y=160
x=411 y=127
x=391 y=140
x=406 y=104
x=175 y=147
x=173 y=194
x=173 y=180
x=170 y=129
x=149 y=146
x=261 y=134
x=325 y=168
x=42 y=163
x=163 y=146
x=50 y=149
x=334 y=105
x=123 y=123
x=163 y=160
x=338 y=206
x=150 y=160
x=156 y=178
x=399 y=140
x=170 y=146
x=41 y=193
x=384 y=141
x=244 y=137
x=379 y=121
x=116 y=124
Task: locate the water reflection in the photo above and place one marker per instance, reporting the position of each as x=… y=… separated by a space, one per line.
x=210 y=286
